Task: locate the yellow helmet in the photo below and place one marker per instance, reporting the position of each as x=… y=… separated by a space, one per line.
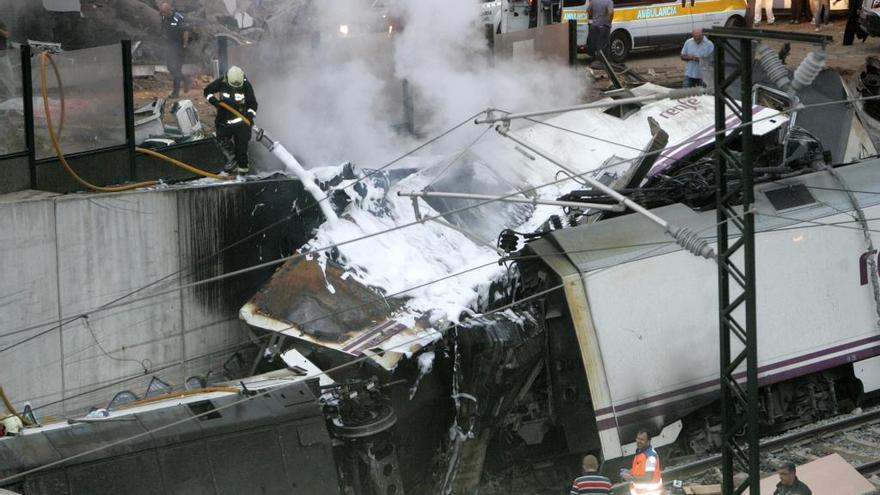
x=235 y=76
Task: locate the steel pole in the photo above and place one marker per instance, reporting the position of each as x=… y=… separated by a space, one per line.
x=128 y=95
x=27 y=95
x=532 y=201
x=671 y=95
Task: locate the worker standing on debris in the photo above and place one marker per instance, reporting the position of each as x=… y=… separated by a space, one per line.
x=644 y=476
x=176 y=32
x=233 y=133
x=697 y=52
x=789 y=484
x=591 y=481
x=601 y=14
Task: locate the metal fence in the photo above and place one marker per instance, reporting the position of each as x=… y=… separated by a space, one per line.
x=89 y=97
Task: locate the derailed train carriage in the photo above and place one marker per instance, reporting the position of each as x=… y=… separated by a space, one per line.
x=598 y=324
x=630 y=341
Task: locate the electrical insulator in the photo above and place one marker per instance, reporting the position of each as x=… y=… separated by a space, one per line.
x=508 y=241
x=773 y=67
x=809 y=69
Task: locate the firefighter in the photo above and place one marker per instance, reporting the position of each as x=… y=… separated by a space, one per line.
x=233 y=133
x=644 y=476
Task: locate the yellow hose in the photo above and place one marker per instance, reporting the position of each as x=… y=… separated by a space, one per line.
x=44 y=56
x=10 y=409
x=236 y=113
x=53 y=136
x=203 y=173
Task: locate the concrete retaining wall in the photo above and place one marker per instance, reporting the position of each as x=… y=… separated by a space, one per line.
x=64 y=255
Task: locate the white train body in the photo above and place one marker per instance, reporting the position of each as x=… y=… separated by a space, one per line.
x=646 y=317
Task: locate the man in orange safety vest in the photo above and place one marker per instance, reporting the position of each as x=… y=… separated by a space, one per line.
x=644 y=476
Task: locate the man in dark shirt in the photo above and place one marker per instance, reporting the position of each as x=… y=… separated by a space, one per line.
x=789 y=484
x=233 y=133
x=601 y=16
x=176 y=33
x=591 y=482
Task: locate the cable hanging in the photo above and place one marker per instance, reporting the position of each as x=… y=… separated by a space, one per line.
x=427 y=143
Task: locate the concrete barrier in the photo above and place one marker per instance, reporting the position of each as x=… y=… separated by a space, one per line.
x=63 y=255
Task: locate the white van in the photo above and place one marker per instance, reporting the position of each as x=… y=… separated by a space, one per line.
x=640 y=24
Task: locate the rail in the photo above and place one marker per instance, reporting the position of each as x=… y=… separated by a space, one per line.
x=774 y=443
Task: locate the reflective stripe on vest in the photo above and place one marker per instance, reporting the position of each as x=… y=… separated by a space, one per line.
x=651 y=487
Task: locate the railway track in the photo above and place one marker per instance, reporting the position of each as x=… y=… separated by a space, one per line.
x=869 y=468
x=821 y=437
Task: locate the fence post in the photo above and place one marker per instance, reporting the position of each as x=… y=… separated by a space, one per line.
x=128 y=95
x=222 y=55
x=408 y=114
x=27 y=94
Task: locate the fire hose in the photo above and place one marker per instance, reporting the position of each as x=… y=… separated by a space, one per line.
x=54 y=137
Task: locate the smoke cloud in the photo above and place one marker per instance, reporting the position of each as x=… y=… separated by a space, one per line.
x=339 y=98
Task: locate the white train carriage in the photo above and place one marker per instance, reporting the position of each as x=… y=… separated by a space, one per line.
x=646 y=319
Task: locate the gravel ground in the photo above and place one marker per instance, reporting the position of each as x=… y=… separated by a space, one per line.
x=857 y=445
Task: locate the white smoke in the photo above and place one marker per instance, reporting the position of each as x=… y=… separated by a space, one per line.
x=343 y=101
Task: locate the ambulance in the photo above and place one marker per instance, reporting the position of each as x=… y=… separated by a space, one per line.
x=643 y=24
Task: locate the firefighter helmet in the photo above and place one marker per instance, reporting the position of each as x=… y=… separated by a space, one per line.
x=235 y=76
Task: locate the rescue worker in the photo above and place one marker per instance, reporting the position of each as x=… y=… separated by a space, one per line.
x=789 y=484
x=176 y=32
x=233 y=133
x=644 y=476
x=591 y=482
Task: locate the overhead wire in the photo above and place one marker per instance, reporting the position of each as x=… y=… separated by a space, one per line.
x=554 y=288
x=153 y=370
x=373 y=172
x=479 y=204
x=376 y=300
x=334 y=369
x=458 y=157
x=280 y=387
x=245 y=343
x=286 y=218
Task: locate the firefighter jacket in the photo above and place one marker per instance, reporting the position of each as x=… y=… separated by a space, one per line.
x=241 y=99
x=646 y=464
